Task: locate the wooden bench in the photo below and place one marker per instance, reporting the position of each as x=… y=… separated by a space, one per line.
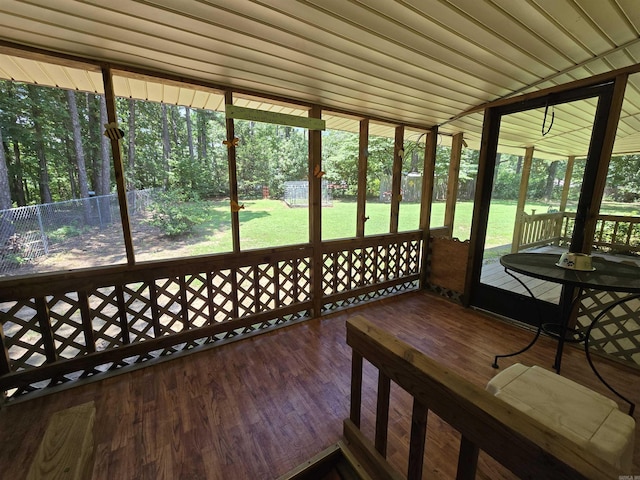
x=66 y=450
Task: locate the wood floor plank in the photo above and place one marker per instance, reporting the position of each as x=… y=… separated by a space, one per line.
x=261 y=406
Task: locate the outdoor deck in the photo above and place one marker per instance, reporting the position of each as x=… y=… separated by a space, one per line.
x=493 y=274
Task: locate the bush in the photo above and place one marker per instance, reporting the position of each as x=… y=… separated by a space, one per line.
x=173 y=214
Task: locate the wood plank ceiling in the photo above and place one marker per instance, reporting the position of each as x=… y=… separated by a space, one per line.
x=414 y=62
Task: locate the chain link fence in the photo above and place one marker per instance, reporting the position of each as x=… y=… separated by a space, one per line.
x=296 y=194
x=28 y=232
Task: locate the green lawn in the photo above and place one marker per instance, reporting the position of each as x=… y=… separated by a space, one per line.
x=270 y=223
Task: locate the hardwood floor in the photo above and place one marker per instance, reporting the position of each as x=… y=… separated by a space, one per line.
x=256 y=408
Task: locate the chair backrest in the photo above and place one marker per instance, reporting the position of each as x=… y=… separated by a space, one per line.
x=615 y=333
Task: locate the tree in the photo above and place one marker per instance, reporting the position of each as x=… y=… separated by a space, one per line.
x=83 y=182
x=166 y=142
x=623 y=180
x=552 y=171
x=5 y=191
x=131 y=151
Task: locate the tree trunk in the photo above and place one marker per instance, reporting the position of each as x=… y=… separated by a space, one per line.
x=173 y=116
x=192 y=155
x=131 y=152
x=105 y=185
x=166 y=145
x=202 y=134
x=5 y=190
x=83 y=181
x=552 y=170
x=95 y=134
x=18 y=179
x=43 y=181
x=105 y=143
x=495 y=172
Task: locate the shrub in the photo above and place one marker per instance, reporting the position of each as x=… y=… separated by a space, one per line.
x=173 y=214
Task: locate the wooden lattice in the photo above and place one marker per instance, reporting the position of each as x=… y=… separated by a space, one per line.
x=617 y=333
x=82 y=328
x=23 y=338
x=221 y=295
x=139 y=318
x=196 y=300
x=66 y=324
x=107 y=329
x=168 y=306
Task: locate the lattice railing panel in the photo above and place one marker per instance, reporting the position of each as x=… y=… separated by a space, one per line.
x=23 y=338
x=413 y=256
x=327 y=270
x=288 y=275
x=370 y=260
x=266 y=291
x=352 y=268
x=246 y=287
x=198 y=313
x=66 y=324
x=105 y=318
x=368 y=296
x=138 y=311
x=221 y=285
x=392 y=262
x=303 y=268
x=341 y=271
x=168 y=303
x=617 y=333
x=382 y=266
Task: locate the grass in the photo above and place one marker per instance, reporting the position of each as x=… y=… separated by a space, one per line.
x=271 y=223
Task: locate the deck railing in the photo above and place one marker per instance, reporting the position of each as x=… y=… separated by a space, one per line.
x=613 y=232
x=521 y=444
x=57 y=328
x=540 y=229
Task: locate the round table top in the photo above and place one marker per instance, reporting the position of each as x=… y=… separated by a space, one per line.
x=607 y=276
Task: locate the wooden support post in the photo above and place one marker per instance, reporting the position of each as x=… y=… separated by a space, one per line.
x=44 y=321
x=356 y=388
x=210 y=299
x=418 y=440
x=155 y=310
x=604 y=159
x=522 y=199
x=87 y=327
x=428 y=173
x=184 y=303
x=363 y=156
x=233 y=178
x=122 y=313
x=452 y=181
x=396 y=180
x=467 y=460
x=315 y=212
x=565 y=196
x=110 y=100
x=382 y=413
x=482 y=199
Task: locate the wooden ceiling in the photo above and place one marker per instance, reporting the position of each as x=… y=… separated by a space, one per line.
x=414 y=62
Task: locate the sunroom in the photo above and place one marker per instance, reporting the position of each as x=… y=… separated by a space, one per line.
x=180 y=181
